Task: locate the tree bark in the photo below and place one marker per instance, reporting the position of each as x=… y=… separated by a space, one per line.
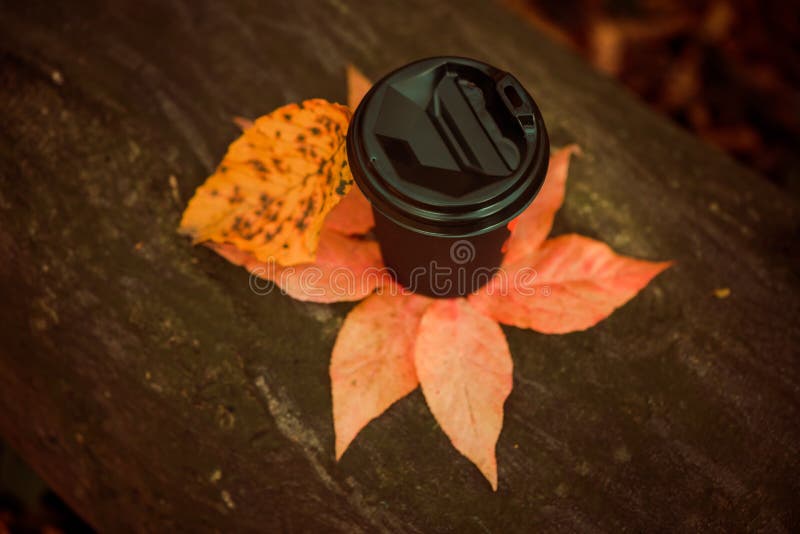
x=146 y=382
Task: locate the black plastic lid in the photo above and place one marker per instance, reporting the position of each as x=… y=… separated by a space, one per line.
x=448 y=146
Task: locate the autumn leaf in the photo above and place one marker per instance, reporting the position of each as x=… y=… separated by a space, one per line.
x=357 y=86
x=348 y=265
x=352 y=215
x=277 y=182
x=531 y=227
x=464 y=367
x=243 y=123
x=346 y=269
x=571 y=283
x=282 y=204
x=372 y=363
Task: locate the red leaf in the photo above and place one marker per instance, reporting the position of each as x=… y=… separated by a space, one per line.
x=243 y=122
x=346 y=269
x=530 y=228
x=372 y=363
x=571 y=283
x=352 y=215
x=357 y=86
x=464 y=367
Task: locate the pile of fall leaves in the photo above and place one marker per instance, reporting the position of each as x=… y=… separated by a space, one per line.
x=283 y=204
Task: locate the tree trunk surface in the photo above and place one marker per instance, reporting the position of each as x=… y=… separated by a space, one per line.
x=146 y=382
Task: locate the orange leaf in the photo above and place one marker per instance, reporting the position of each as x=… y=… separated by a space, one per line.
x=530 y=228
x=352 y=215
x=357 y=86
x=464 y=367
x=276 y=184
x=372 y=363
x=571 y=283
x=346 y=269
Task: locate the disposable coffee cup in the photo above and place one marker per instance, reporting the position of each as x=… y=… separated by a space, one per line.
x=448 y=151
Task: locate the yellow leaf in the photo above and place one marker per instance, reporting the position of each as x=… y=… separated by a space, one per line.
x=722 y=293
x=276 y=184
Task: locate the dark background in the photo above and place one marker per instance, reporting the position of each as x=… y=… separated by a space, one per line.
x=728 y=70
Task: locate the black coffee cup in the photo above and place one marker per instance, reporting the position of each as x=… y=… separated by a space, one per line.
x=448 y=150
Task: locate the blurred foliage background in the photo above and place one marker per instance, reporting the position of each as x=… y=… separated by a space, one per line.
x=728 y=70
x=27 y=505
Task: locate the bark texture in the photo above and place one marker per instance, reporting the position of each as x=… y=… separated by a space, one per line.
x=154 y=390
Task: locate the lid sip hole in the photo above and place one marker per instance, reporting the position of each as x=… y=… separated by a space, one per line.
x=513 y=96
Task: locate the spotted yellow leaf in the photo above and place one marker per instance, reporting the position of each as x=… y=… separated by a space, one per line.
x=276 y=184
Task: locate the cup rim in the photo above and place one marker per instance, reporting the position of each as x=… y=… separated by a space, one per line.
x=526 y=180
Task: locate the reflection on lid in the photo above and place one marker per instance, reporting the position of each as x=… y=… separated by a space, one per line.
x=453 y=129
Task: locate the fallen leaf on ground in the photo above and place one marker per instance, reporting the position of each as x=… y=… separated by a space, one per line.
x=722 y=292
x=571 y=283
x=464 y=367
x=276 y=184
x=243 y=122
x=281 y=205
x=372 y=363
x=352 y=215
x=531 y=227
x=357 y=86
x=346 y=269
